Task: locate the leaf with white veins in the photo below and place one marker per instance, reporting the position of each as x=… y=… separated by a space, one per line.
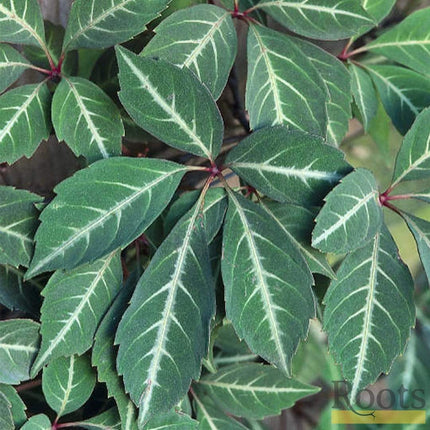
x=12 y=64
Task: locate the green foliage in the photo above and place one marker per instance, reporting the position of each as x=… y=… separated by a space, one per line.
x=170 y=281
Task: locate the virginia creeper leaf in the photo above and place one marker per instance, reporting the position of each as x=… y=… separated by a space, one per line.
x=369 y=311
x=267 y=283
x=203 y=39
x=17 y=406
x=328 y=20
x=351 y=216
x=283 y=87
x=408 y=42
x=12 y=64
x=73 y=306
x=21 y=22
x=117 y=206
x=86 y=119
x=413 y=159
x=164 y=334
x=103 y=23
x=18 y=223
x=404 y=93
x=288 y=165
x=24 y=120
x=254 y=390
x=18 y=348
x=170 y=103
x=67 y=383
x=37 y=422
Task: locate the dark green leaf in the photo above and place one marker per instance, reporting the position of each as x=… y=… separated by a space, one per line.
x=404 y=93
x=86 y=119
x=378 y=9
x=267 y=283
x=67 y=383
x=24 y=120
x=18 y=407
x=37 y=422
x=170 y=103
x=174 y=420
x=253 y=390
x=18 y=348
x=73 y=306
x=201 y=38
x=103 y=23
x=288 y=165
x=283 y=86
x=108 y=420
x=369 y=311
x=351 y=216
x=12 y=64
x=328 y=20
x=117 y=206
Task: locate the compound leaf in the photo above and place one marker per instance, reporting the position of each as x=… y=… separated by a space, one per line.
x=267 y=283
x=328 y=20
x=18 y=223
x=104 y=23
x=203 y=39
x=86 y=119
x=408 y=42
x=74 y=303
x=21 y=22
x=24 y=120
x=351 y=216
x=404 y=93
x=170 y=312
x=67 y=383
x=12 y=64
x=122 y=197
x=253 y=390
x=170 y=103
x=283 y=87
x=288 y=165
x=413 y=159
x=18 y=347
x=369 y=311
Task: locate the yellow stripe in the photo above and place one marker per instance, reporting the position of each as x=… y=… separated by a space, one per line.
x=379 y=417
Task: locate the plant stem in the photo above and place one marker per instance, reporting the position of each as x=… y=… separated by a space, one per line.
x=28 y=385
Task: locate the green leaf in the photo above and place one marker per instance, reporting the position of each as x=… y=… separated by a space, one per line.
x=24 y=120
x=18 y=223
x=18 y=407
x=420 y=228
x=18 y=348
x=369 y=311
x=73 y=306
x=116 y=208
x=17 y=294
x=288 y=165
x=67 y=383
x=297 y=222
x=203 y=39
x=37 y=422
x=425 y=196
x=378 y=9
x=338 y=83
x=267 y=283
x=6 y=419
x=104 y=23
x=413 y=159
x=104 y=354
x=108 y=420
x=328 y=20
x=404 y=93
x=364 y=94
x=283 y=87
x=408 y=42
x=21 y=22
x=253 y=390
x=211 y=418
x=170 y=103
x=175 y=420
x=351 y=216
x=170 y=311
x=12 y=64
x=86 y=119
